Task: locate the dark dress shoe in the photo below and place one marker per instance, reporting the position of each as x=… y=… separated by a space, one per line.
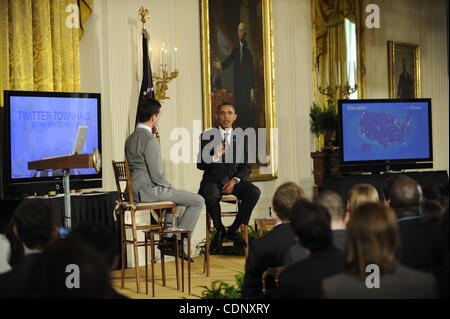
x=218 y=239
x=166 y=245
x=170 y=251
x=236 y=238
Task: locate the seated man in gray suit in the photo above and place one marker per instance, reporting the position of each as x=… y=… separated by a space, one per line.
x=143 y=154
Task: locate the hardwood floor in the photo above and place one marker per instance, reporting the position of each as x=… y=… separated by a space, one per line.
x=222 y=268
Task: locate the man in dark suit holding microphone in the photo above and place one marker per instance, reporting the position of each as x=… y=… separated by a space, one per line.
x=226 y=171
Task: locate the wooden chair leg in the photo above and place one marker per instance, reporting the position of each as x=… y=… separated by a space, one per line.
x=207 y=259
x=146 y=264
x=182 y=264
x=176 y=262
x=123 y=248
x=135 y=249
x=189 y=264
x=163 y=268
x=152 y=244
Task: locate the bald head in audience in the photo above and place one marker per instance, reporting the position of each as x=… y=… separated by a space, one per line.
x=404 y=195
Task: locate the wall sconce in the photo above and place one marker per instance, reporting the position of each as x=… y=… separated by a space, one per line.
x=165 y=60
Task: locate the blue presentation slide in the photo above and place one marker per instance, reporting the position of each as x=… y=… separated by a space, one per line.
x=385 y=131
x=43 y=127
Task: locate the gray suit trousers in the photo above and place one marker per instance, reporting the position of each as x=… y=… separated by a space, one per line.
x=193 y=203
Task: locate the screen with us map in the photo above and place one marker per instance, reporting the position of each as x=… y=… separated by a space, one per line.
x=389 y=130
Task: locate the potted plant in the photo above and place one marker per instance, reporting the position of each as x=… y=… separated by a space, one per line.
x=323 y=121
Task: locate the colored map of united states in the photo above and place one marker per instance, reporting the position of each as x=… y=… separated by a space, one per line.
x=384 y=128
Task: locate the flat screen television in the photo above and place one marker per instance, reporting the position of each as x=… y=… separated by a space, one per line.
x=384 y=135
x=41 y=125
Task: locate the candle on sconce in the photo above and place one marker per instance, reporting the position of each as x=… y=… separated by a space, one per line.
x=162 y=55
x=167 y=58
x=175 y=50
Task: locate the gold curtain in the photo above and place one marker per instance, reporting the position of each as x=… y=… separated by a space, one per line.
x=39 y=52
x=330 y=56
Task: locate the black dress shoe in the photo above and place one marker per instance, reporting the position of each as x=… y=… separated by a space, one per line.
x=236 y=238
x=166 y=245
x=170 y=251
x=217 y=241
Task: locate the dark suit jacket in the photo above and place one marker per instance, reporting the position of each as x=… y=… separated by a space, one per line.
x=297 y=253
x=403 y=283
x=14 y=283
x=223 y=171
x=268 y=251
x=303 y=280
x=418 y=245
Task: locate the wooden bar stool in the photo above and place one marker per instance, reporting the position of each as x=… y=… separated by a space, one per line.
x=244 y=229
x=122 y=174
x=150 y=239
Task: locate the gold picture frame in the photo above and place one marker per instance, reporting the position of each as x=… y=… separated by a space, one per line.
x=220 y=21
x=404 y=70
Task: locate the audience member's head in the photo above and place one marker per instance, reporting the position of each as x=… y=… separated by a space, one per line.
x=361 y=194
x=33 y=224
x=311 y=225
x=404 y=195
x=100 y=238
x=372 y=238
x=438 y=193
x=334 y=204
x=432 y=211
x=70 y=269
x=284 y=198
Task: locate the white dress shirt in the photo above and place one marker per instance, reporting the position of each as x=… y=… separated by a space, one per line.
x=148 y=128
x=229 y=131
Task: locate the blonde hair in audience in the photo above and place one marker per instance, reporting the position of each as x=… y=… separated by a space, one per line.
x=372 y=238
x=361 y=194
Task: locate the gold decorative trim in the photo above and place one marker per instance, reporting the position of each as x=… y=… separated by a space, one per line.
x=391 y=63
x=269 y=83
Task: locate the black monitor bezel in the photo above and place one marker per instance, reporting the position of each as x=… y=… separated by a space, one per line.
x=385 y=162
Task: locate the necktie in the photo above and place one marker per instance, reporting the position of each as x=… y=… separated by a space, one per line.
x=225 y=139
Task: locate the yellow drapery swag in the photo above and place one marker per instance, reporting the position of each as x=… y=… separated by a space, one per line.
x=39 y=50
x=330 y=56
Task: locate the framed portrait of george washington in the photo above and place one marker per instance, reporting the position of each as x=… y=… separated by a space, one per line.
x=237 y=67
x=404 y=70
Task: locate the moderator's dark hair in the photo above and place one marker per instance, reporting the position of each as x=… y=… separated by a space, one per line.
x=225 y=103
x=146 y=109
x=311 y=224
x=34 y=222
x=100 y=238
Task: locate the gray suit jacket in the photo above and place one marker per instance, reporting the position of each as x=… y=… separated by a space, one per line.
x=143 y=154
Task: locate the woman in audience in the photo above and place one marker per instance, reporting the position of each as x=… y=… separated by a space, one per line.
x=371 y=270
x=358 y=195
